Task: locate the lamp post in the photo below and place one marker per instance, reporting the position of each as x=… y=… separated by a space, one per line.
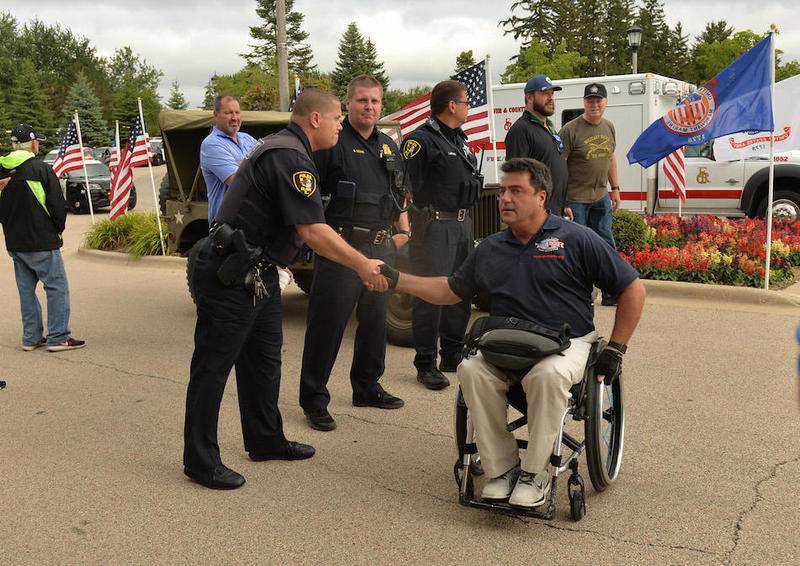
x=634 y=41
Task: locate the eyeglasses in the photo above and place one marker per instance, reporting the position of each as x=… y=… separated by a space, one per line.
x=462 y=102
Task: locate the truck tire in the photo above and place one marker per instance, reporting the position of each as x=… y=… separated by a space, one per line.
x=191 y=260
x=785 y=206
x=163 y=194
x=398 y=320
x=132 y=198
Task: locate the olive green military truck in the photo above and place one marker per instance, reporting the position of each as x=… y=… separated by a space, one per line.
x=184 y=203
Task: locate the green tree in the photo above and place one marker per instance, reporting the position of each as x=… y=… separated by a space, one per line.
x=372 y=66
x=176 y=99
x=713 y=57
x=81 y=97
x=125 y=65
x=655 y=38
x=614 y=20
x=299 y=53
x=29 y=101
x=210 y=93
x=534 y=59
x=255 y=88
x=350 y=61
x=542 y=20
x=395 y=99
x=677 y=54
x=465 y=60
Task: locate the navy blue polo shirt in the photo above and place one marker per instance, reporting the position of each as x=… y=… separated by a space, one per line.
x=548 y=280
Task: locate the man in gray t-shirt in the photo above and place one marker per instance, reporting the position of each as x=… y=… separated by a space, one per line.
x=589 y=143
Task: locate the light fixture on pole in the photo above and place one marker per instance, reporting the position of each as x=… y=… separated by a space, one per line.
x=634 y=41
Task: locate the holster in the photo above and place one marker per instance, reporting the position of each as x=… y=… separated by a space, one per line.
x=239 y=255
x=420 y=220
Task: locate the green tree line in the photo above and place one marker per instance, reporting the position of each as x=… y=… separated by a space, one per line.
x=47 y=72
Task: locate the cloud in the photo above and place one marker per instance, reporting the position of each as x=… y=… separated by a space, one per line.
x=418 y=40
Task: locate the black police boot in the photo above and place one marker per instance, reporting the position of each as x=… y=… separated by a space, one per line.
x=381 y=399
x=221 y=477
x=320 y=419
x=289 y=451
x=433 y=379
x=449 y=362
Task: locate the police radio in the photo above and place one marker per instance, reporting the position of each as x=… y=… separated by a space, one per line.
x=397 y=190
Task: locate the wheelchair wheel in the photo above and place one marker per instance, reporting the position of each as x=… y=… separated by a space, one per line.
x=605 y=431
x=461 y=417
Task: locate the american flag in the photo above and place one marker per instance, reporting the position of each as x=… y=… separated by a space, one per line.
x=135 y=152
x=674 y=166
x=70 y=154
x=477 y=125
x=114 y=161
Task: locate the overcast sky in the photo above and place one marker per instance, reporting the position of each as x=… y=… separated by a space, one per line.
x=418 y=40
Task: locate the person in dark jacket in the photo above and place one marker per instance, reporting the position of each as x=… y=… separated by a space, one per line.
x=33 y=215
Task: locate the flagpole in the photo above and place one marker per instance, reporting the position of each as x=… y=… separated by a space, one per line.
x=119 y=154
x=85 y=172
x=488 y=71
x=152 y=182
x=773 y=28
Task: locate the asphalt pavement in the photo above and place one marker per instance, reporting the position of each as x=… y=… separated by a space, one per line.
x=91 y=441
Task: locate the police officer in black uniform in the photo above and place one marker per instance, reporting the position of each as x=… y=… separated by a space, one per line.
x=362 y=175
x=442 y=174
x=272 y=206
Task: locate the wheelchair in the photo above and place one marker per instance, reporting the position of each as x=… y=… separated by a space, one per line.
x=600 y=408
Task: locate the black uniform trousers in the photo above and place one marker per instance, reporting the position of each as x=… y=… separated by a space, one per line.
x=230 y=331
x=335 y=292
x=444 y=247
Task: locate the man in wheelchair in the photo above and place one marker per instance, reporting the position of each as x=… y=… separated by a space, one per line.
x=541 y=269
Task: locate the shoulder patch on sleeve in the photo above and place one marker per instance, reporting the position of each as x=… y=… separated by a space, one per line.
x=411 y=148
x=305 y=183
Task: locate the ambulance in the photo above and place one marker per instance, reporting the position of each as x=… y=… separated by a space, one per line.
x=729 y=188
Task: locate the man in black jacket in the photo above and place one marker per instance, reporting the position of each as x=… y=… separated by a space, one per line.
x=33 y=214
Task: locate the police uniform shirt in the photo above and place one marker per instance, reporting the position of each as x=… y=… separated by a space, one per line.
x=440 y=167
x=548 y=280
x=530 y=137
x=277 y=191
x=359 y=161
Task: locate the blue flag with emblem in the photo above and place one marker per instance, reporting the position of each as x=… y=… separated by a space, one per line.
x=738 y=99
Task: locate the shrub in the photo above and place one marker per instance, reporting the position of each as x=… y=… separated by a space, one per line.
x=630 y=231
x=135 y=233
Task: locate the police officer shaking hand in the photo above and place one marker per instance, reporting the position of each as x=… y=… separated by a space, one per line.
x=442 y=174
x=272 y=206
x=362 y=175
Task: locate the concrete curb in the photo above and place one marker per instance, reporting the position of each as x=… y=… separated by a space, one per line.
x=656 y=289
x=148 y=262
x=720 y=293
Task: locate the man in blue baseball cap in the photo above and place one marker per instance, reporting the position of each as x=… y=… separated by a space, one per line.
x=534 y=135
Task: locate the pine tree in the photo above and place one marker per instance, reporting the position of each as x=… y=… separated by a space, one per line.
x=465 y=60
x=211 y=93
x=541 y=20
x=81 y=97
x=616 y=17
x=372 y=66
x=655 y=38
x=678 y=57
x=29 y=102
x=350 y=62
x=299 y=53
x=176 y=99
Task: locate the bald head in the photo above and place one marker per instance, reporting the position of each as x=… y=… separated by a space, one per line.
x=319 y=114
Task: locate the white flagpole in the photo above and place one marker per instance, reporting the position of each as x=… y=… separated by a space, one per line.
x=152 y=183
x=296 y=85
x=773 y=28
x=488 y=70
x=119 y=154
x=85 y=173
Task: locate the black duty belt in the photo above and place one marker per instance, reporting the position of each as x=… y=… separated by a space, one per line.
x=458 y=215
x=358 y=235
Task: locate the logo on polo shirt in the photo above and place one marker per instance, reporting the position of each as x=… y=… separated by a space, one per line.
x=411 y=148
x=305 y=183
x=550 y=245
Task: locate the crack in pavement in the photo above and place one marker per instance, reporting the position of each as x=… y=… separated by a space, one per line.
x=393 y=425
x=737 y=534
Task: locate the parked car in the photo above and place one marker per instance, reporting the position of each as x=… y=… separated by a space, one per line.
x=102 y=153
x=74 y=186
x=50 y=158
x=157 y=147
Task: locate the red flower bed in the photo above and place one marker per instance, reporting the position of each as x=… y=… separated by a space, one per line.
x=710 y=249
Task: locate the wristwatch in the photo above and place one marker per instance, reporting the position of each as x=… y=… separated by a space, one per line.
x=407 y=233
x=613 y=188
x=621 y=348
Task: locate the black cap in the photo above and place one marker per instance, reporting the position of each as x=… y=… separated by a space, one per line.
x=595 y=89
x=24 y=133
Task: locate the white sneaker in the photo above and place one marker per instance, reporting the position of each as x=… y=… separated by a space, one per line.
x=499 y=488
x=531 y=490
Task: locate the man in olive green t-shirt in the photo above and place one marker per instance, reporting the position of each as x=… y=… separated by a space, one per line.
x=589 y=143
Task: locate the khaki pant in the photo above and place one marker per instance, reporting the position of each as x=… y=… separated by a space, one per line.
x=546 y=387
